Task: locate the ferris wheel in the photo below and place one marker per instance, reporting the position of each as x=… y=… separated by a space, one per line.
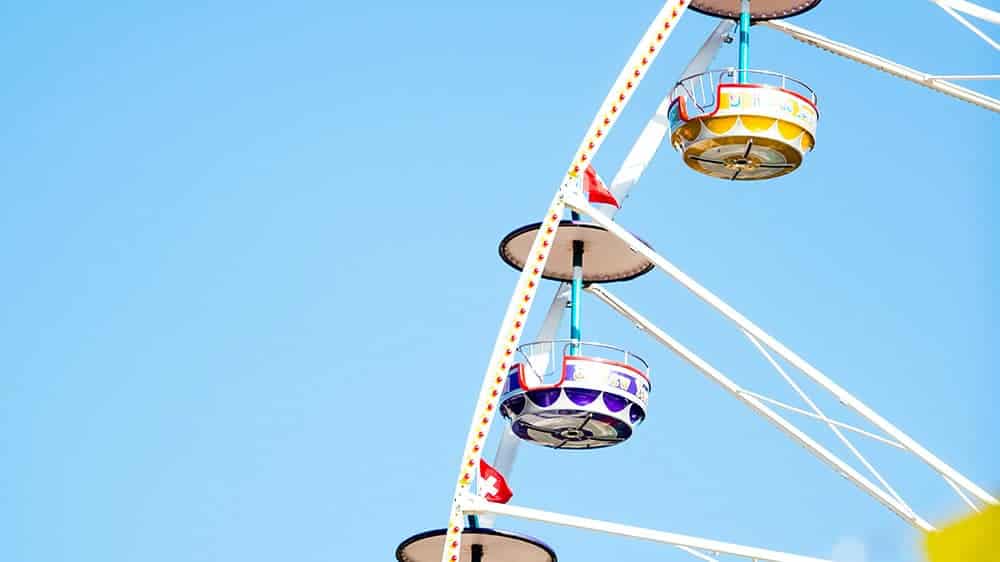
x=734 y=124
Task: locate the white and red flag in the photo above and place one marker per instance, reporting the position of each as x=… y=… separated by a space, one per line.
x=594 y=188
x=492 y=484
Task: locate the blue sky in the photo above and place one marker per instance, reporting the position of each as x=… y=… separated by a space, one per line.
x=251 y=281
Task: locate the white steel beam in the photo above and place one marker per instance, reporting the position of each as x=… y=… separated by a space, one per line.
x=966 y=77
x=702 y=60
x=578 y=202
x=962 y=495
x=885 y=65
x=968 y=24
x=971 y=9
x=479 y=505
x=824 y=419
x=838 y=465
x=843 y=439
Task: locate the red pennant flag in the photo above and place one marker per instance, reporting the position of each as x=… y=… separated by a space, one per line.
x=492 y=485
x=595 y=190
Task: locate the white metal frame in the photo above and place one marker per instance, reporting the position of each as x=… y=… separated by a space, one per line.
x=762 y=339
x=700 y=547
x=570 y=195
x=973 y=10
x=953 y=7
x=938 y=83
x=758 y=406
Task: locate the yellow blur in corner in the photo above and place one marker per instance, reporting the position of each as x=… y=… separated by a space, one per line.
x=975 y=538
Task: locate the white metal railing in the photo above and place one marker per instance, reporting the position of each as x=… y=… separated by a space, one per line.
x=543 y=359
x=698 y=90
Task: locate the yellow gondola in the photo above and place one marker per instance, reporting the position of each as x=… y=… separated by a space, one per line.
x=756 y=128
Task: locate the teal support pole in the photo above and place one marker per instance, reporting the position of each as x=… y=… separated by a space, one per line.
x=575 y=292
x=744 y=40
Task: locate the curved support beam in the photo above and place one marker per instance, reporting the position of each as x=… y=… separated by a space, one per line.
x=885 y=65
x=636 y=68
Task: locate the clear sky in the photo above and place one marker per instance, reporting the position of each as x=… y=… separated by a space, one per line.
x=250 y=279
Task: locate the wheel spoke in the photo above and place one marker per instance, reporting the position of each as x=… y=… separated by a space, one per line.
x=607 y=439
x=544 y=430
x=707 y=160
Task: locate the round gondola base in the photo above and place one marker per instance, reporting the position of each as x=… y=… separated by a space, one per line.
x=567 y=429
x=478 y=545
x=606 y=258
x=760 y=10
x=743 y=158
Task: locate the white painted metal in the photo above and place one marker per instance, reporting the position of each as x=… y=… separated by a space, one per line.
x=968 y=24
x=971 y=9
x=702 y=60
x=636 y=68
x=885 y=65
x=824 y=419
x=656 y=129
x=962 y=495
x=504 y=458
x=580 y=204
x=479 y=505
x=789 y=428
x=847 y=442
x=966 y=77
